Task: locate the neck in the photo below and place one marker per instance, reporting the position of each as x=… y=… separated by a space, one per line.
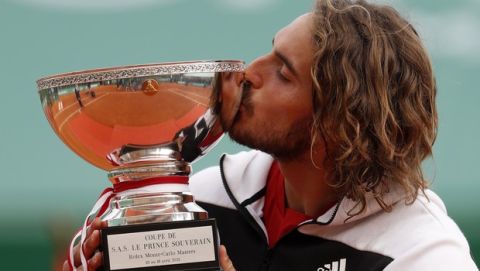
x=306 y=186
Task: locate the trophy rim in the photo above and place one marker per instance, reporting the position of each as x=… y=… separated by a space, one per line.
x=140 y=70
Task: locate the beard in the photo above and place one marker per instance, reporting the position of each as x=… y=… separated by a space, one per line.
x=283 y=143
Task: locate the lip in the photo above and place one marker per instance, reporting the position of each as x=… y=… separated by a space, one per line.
x=231 y=102
x=242 y=109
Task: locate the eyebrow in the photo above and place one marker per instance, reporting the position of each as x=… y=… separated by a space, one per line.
x=284 y=59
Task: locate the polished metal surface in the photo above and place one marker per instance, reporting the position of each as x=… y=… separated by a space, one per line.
x=124 y=118
x=143 y=122
x=148 y=208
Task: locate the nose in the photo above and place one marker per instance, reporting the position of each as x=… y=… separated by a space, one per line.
x=253 y=73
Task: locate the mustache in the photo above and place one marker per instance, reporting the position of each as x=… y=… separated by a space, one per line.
x=246 y=101
x=246 y=88
x=246 y=85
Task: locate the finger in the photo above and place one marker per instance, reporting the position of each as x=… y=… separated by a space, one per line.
x=89 y=246
x=95 y=262
x=96 y=224
x=225 y=261
x=76 y=255
x=66 y=266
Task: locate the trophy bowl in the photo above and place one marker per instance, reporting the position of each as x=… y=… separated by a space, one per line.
x=144 y=125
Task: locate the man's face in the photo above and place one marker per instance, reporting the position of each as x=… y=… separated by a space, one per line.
x=275 y=114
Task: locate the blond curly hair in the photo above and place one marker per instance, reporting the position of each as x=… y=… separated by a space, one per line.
x=374 y=99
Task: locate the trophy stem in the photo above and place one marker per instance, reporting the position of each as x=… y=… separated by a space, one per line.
x=150 y=194
x=142 y=172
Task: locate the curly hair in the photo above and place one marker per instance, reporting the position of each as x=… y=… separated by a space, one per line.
x=373 y=98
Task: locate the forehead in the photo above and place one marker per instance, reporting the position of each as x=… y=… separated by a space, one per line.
x=302 y=23
x=296 y=41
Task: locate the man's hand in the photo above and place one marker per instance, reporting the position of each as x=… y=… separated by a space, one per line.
x=92 y=242
x=225 y=262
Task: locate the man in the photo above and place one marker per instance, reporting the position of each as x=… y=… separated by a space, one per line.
x=342 y=111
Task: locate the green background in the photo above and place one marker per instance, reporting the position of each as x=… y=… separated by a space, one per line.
x=46 y=190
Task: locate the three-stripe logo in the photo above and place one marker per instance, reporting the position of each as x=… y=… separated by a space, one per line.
x=334 y=266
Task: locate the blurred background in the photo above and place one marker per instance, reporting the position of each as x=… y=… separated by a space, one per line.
x=46 y=190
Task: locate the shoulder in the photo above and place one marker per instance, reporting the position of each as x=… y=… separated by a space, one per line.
x=207 y=186
x=417 y=236
x=231 y=163
x=243 y=174
x=421 y=236
x=427 y=238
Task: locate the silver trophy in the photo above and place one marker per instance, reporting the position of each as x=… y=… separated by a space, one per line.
x=145 y=124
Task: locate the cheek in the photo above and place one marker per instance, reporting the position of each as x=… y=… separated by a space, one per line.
x=283 y=102
x=278 y=111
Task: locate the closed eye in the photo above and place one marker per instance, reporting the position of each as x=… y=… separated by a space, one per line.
x=282 y=77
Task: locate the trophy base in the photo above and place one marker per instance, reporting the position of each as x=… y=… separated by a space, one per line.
x=179 y=245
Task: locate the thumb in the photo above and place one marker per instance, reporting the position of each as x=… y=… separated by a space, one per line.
x=225 y=261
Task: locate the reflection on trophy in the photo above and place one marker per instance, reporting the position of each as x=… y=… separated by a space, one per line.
x=145 y=124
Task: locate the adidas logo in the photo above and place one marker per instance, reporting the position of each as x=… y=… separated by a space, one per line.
x=334 y=266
